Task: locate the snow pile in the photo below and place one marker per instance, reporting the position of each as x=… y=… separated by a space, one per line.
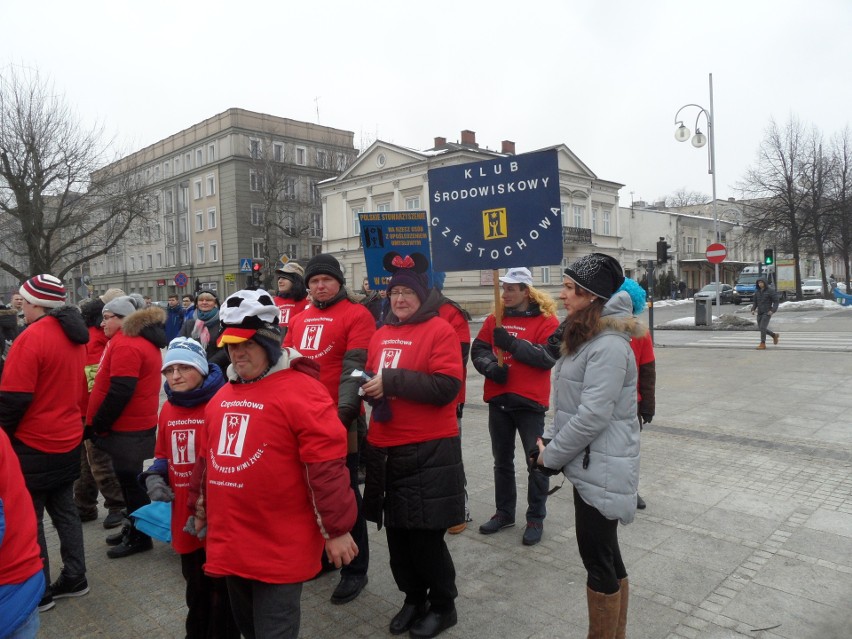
x=811 y=305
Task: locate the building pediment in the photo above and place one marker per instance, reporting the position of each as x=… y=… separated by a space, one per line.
x=382 y=156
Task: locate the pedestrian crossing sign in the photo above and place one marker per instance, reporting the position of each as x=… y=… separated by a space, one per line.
x=245 y=265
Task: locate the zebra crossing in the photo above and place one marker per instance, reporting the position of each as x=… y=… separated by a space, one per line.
x=800 y=341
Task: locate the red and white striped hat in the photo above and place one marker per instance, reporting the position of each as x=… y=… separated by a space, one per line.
x=43 y=290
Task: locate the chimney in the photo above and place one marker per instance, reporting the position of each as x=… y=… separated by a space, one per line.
x=440 y=143
x=507 y=147
x=469 y=138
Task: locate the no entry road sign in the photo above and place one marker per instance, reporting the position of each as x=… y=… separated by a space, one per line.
x=716 y=253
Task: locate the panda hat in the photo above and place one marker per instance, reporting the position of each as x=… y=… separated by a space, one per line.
x=251 y=315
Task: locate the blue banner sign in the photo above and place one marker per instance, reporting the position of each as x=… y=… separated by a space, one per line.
x=403 y=232
x=496 y=214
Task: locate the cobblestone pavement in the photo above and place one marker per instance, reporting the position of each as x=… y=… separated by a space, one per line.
x=748 y=530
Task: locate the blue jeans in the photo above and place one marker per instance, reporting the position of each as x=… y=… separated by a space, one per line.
x=59 y=503
x=502 y=425
x=28 y=629
x=265 y=611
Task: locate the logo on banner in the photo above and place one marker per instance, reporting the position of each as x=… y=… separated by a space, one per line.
x=373 y=237
x=390 y=357
x=311 y=338
x=494 y=224
x=183 y=446
x=233 y=434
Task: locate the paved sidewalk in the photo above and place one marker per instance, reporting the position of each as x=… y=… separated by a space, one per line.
x=747 y=471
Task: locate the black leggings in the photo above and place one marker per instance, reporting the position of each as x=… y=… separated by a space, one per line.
x=597 y=540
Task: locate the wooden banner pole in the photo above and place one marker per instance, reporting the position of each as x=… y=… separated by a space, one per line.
x=498 y=308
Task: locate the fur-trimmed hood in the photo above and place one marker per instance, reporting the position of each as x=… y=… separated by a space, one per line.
x=618 y=316
x=149 y=323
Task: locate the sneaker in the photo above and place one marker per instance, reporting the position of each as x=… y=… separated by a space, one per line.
x=114 y=519
x=495 y=524
x=761 y=347
x=68 y=586
x=532 y=534
x=86 y=515
x=775 y=339
x=459 y=528
x=46 y=603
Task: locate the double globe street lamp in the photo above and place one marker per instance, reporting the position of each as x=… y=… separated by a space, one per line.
x=682 y=134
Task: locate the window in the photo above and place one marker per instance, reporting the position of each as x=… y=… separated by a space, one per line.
x=690 y=244
x=316 y=249
x=196 y=187
x=211 y=185
x=258 y=247
x=288 y=189
x=211 y=220
x=278 y=152
x=183 y=197
x=255 y=180
x=545 y=275
x=579 y=212
x=167 y=169
x=132 y=263
x=150 y=260
x=258 y=216
x=315 y=195
x=183 y=231
x=177 y=164
x=211 y=152
x=199 y=160
x=199 y=254
x=255 y=148
x=170 y=257
x=157 y=173
x=356 y=223
x=170 y=232
x=184 y=254
x=199 y=221
x=341 y=162
x=301 y=155
x=170 y=202
x=594 y=220
x=607 y=228
x=384 y=207
x=564 y=208
x=412 y=203
x=288 y=221
x=187 y=162
x=291 y=251
x=159 y=260
x=316 y=224
x=213 y=251
x=322 y=159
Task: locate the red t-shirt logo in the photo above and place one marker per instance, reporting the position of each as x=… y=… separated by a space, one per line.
x=390 y=357
x=311 y=338
x=233 y=434
x=183 y=446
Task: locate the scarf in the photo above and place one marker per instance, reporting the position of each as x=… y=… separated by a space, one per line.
x=204 y=321
x=201 y=395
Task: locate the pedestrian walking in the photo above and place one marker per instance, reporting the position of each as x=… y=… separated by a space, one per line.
x=43 y=381
x=415 y=478
x=276 y=486
x=594 y=436
x=122 y=413
x=190 y=384
x=765 y=304
x=96 y=472
x=334 y=331
x=518 y=394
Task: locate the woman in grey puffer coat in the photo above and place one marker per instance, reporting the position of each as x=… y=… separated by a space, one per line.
x=594 y=437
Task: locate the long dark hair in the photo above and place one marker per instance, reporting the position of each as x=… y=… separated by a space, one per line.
x=582 y=325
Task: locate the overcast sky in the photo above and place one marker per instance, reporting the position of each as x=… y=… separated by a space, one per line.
x=603 y=77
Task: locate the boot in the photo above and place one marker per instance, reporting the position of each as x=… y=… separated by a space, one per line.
x=624 y=589
x=603 y=614
x=117 y=538
x=133 y=543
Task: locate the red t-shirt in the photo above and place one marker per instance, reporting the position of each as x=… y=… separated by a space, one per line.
x=261 y=520
x=456 y=319
x=326 y=335
x=643 y=351
x=130 y=357
x=20 y=556
x=429 y=347
x=524 y=380
x=180 y=429
x=44 y=362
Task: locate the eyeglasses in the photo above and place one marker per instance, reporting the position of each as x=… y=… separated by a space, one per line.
x=406 y=293
x=107 y=318
x=177 y=368
x=206 y=299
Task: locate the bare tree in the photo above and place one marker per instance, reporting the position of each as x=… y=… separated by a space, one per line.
x=818 y=214
x=58 y=207
x=683 y=197
x=779 y=205
x=840 y=194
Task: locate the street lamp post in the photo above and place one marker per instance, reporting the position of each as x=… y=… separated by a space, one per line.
x=698 y=140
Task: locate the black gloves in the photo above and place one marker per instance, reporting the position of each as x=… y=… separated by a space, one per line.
x=554 y=342
x=645 y=418
x=502 y=339
x=497 y=373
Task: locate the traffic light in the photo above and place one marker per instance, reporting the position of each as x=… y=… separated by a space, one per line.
x=663 y=251
x=257 y=272
x=768 y=257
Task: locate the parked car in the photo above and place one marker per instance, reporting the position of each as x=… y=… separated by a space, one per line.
x=812 y=289
x=726 y=293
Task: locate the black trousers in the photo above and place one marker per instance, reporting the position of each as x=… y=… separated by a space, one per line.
x=129 y=450
x=422 y=567
x=597 y=540
x=209 y=608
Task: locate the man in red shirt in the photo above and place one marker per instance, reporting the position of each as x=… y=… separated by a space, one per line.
x=517 y=393
x=40 y=393
x=335 y=332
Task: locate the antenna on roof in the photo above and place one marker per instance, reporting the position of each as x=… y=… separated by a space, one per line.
x=316 y=101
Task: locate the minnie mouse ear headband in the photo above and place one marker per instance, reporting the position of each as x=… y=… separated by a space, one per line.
x=409 y=271
x=246 y=313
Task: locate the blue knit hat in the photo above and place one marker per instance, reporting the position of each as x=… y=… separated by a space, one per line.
x=183 y=350
x=637 y=295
